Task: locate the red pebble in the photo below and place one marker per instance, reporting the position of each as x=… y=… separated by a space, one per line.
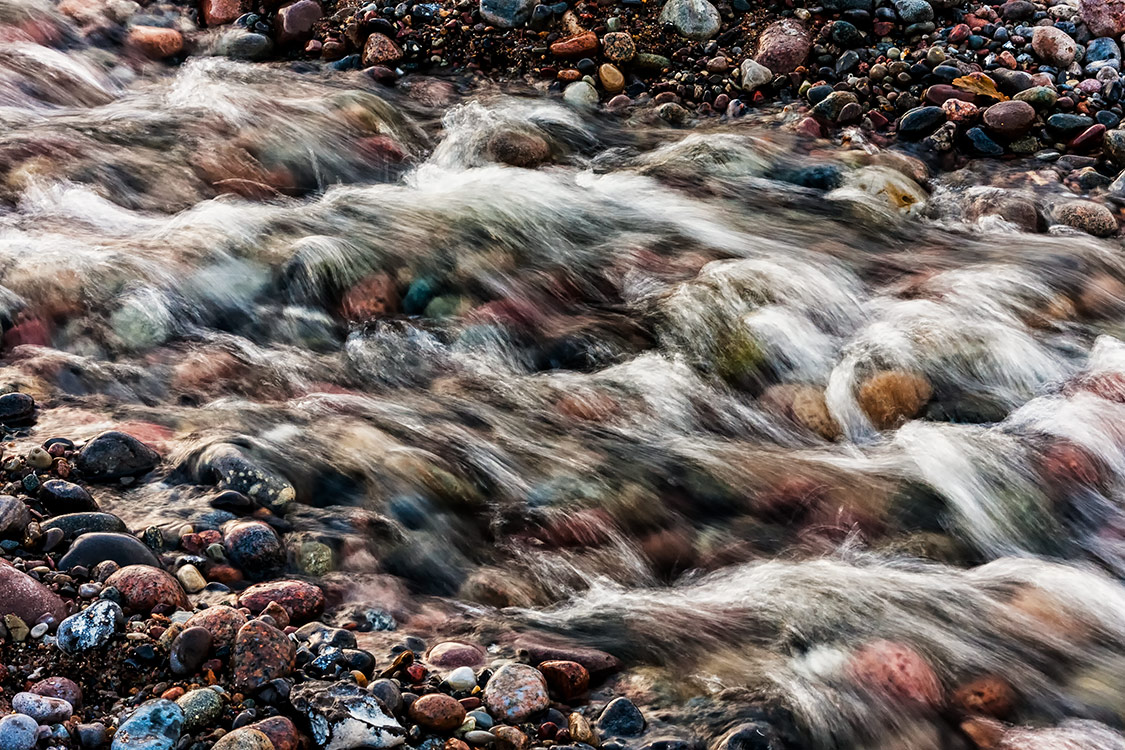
x=897 y=672
x=416 y=672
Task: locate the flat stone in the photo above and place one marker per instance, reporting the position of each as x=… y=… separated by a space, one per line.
x=60 y=496
x=303 y=601
x=42 y=708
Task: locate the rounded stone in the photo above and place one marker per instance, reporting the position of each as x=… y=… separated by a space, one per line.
x=989 y=695
x=76 y=524
x=113 y=454
x=516 y=692
x=18 y=732
x=892 y=397
x=124 y=549
x=619 y=47
x=783 y=46
x=16 y=408
x=254 y=547
x=59 y=687
x=1054 y=46
x=26 y=598
x=621 y=718
x=566 y=679
x=144 y=587
x=42 y=708
x=155 y=725
x=189 y=650
x=1092 y=218
x=201 y=708
x=438 y=712
x=91 y=628
x=303 y=601
x=896 y=672
x=453 y=654
x=281 y=732
x=518 y=148
x=1010 y=119
x=261 y=653
x=244 y=739
x=59 y=496
x=223 y=623
x=462 y=678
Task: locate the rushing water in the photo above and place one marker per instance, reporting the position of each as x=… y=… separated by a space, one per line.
x=600 y=394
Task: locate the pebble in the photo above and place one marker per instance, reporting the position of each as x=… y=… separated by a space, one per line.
x=73 y=525
x=155 y=725
x=124 y=549
x=145 y=587
x=254 y=547
x=26 y=598
x=567 y=680
x=518 y=148
x=261 y=653
x=619 y=47
x=16 y=408
x=223 y=623
x=380 y=50
x=189 y=650
x=280 y=731
x=453 y=654
x=783 y=46
x=201 y=708
x=437 y=712
x=303 y=601
x=42 y=708
x=891 y=397
x=581 y=95
x=621 y=718
x=1010 y=119
x=516 y=692
x=1054 y=46
x=91 y=735
x=91 y=628
x=294 y=22
x=506 y=13
x=920 y=122
x=14 y=517
x=1088 y=216
x=897 y=672
x=60 y=496
x=611 y=78
x=18 y=732
x=692 y=19
x=753 y=75
x=244 y=738
x=191 y=579
x=462 y=678
x=113 y=455
x=59 y=687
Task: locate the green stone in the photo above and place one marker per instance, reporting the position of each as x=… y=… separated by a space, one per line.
x=650 y=61
x=201 y=708
x=1040 y=97
x=315 y=558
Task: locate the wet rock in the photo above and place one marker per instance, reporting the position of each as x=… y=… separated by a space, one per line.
x=783 y=46
x=201 y=708
x=981 y=144
x=281 y=732
x=989 y=695
x=91 y=628
x=380 y=49
x=295 y=21
x=510 y=738
x=596 y=662
x=621 y=718
x=223 y=623
x=506 y=13
x=372 y=298
x=619 y=47
x=1054 y=46
x=566 y=679
x=1010 y=119
x=59 y=687
x=754 y=75
x=516 y=692
x=896 y=672
x=914 y=11
x=303 y=601
x=831 y=108
x=254 y=547
x=577 y=45
x=518 y=148
x=189 y=650
x=453 y=654
x=155 y=725
x=1019 y=211
x=920 y=122
x=462 y=678
x=112 y=455
x=43 y=709
x=1092 y=218
x=230 y=469
x=342 y=716
x=60 y=497
x=1114 y=144
x=14 y=517
x=438 y=712
x=18 y=732
x=1103 y=17
x=892 y=397
x=244 y=738
x=26 y=598
x=612 y=79
x=191 y=579
x=74 y=525
x=156 y=42
x=219 y=12
x=581 y=95
x=753 y=735
x=693 y=19
x=124 y=549
x=261 y=653
x=16 y=408
x=144 y=587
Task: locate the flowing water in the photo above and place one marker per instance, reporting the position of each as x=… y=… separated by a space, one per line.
x=591 y=398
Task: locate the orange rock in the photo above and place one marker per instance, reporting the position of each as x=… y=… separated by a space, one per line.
x=156 y=42
x=380 y=49
x=566 y=679
x=218 y=12
x=438 y=712
x=144 y=587
x=985 y=733
x=989 y=695
x=580 y=45
x=892 y=397
x=373 y=297
x=281 y=731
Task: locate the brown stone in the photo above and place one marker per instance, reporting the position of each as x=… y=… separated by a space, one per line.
x=156 y=42
x=372 y=298
x=1103 y=17
x=1088 y=216
x=59 y=687
x=261 y=653
x=566 y=679
x=510 y=738
x=245 y=738
x=579 y=45
x=144 y=587
x=303 y=601
x=518 y=148
x=783 y=46
x=438 y=712
x=1010 y=119
x=989 y=695
x=26 y=598
x=612 y=79
x=281 y=732
x=380 y=49
x=295 y=21
x=218 y=12
x=596 y=662
x=892 y=397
